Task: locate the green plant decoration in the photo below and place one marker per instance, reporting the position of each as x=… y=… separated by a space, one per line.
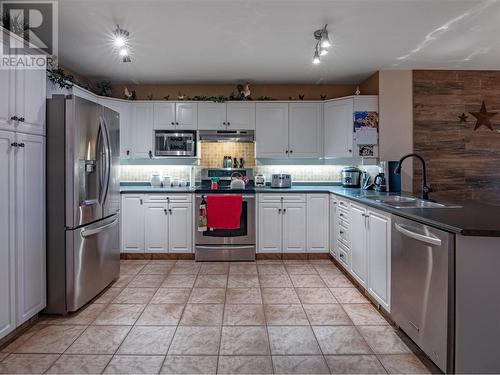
x=58 y=77
x=104 y=88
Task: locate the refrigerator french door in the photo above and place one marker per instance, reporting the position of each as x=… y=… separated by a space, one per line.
x=83 y=204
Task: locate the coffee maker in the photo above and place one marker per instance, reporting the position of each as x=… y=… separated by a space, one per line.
x=388 y=177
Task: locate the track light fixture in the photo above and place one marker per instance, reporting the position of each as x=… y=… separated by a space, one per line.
x=322 y=44
x=121 y=42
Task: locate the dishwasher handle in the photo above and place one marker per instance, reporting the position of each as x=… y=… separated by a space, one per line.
x=429 y=239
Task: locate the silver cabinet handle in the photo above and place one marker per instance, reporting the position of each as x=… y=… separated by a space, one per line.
x=430 y=239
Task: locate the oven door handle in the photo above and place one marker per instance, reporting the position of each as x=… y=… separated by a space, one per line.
x=227 y=247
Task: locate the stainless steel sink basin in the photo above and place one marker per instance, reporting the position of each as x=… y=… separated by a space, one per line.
x=397 y=201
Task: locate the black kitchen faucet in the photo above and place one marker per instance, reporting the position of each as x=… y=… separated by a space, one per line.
x=426 y=189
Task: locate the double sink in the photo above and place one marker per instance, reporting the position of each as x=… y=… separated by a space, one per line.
x=398 y=201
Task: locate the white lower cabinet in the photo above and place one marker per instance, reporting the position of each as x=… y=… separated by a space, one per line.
x=370 y=251
x=294 y=227
x=270 y=227
x=318 y=232
x=333 y=227
x=157 y=223
x=22 y=228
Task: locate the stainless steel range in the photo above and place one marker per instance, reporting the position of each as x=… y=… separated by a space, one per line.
x=227 y=244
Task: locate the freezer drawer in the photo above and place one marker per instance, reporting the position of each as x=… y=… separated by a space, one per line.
x=92 y=260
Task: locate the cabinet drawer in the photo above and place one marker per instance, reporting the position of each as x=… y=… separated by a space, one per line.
x=343 y=215
x=343 y=233
x=343 y=255
x=168 y=197
x=343 y=203
x=287 y=197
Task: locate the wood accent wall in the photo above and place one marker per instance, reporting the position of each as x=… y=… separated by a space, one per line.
x=275 y=91
x=462 y=163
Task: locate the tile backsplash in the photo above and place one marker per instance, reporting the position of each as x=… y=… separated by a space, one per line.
x=212 y=153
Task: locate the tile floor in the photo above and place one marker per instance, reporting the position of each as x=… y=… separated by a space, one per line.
x=182 y=317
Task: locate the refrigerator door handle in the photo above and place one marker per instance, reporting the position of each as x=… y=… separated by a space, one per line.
x=105 y=172
x=90 y=232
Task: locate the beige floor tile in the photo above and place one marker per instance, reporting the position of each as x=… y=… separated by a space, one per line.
x=123 y=281
x=243 y=296
x=244 y=315
x=383 y=340
x=349 y=295
x=3 y=356
x=208 y=295
x=161 y=314
x=51 y=339
x=156 y=269
x=99 y=340
x=135 y=295
x=271 y=269
x=202 y=315
x=245 y=365
x=327 y=315
x=108 y=295
x=85 y=316
x=185 y=269
x=242 y=268
x=403 y=364
x=130 y=268
x=211 y=281
x=277 y=281
x=364 y=314
x=199 y=364
x=285 y=315
x=27 y=363
x=315 y=295
x=244 y=341
x=195 y=341
x=146 y=281
x=171 y=295
x=337 y=281
x=119 y=314
x=274 y=296
x=243 y=281
x=134 y=364
x=10 y=348
x=80 y=364
x=300 y=364
x=354 y=364
x=307 y=281
x=214 y=268
x=340 y=340
x=300 y=269
x=292 y=340
x=147 y=340
x=179 y=281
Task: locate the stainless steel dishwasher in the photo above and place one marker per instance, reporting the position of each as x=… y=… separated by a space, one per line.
x=422 y=287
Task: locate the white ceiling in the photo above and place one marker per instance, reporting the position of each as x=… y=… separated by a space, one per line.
x=224 y=41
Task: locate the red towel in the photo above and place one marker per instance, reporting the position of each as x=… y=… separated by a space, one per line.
x=224 y=211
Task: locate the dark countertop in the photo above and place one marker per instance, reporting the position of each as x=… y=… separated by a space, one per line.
x=471 y=219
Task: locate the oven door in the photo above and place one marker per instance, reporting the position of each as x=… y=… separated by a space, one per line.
x=244 y=235
x=175 y=144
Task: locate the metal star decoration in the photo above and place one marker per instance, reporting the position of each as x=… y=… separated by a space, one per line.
x=463 y=117
x=483 y=117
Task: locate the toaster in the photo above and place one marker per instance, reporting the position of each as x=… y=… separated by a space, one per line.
x=281 y=180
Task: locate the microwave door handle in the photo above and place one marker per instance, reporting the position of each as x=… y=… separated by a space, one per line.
x=431 y=240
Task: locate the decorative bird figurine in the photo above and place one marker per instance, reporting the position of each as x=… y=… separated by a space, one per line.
x=323 y=97
x=150 y=97
x=301 y=97
x=181 y=96
x=166 y=97
x=127 y=93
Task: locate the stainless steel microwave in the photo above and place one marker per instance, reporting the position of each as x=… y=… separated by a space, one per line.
x=175 y=143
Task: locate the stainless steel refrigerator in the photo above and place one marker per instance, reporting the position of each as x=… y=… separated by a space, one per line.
x=83 y=201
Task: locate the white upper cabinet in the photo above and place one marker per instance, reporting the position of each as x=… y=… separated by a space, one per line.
x=7 y=235
x=142 y=130
x=164 y=116
x=338 y=124
x=305 y=130
x=271 y=130
x=240 y=116
x=379 y=256
x=212 y=116
x=318 y=231
x=22 y=100
x=30 y=100
x=186 y=116
x=30 y=225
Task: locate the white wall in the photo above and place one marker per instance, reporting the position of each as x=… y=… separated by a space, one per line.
x=396 y=119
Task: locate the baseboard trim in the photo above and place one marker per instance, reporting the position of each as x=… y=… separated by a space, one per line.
x=152 y=256
x=292 y=256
